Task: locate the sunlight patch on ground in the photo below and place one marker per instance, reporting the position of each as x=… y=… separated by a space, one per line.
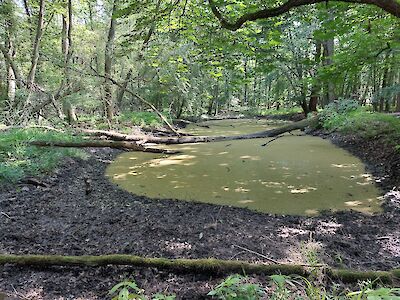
x=288 y=231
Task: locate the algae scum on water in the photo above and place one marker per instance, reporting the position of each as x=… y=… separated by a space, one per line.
x=294 y=174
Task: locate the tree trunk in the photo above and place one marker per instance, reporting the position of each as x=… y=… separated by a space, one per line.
x=384 y=84
x=68 y=107
x=329 y=48
x=108 y=60
x=36 y=45
x=315 y=89
x=246 y=87
x=11 y=80
x=205 y=139
x=121 y=93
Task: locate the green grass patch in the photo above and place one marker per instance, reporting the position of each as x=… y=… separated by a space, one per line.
x=18 y=159
x=141 y=118
x=346 y=116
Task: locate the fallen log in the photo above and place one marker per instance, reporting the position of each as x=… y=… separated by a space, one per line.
x=206 y=139
x=124 y=145
x=215 y=266
x=116 y=136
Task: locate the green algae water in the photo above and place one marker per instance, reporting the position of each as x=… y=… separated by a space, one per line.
x=295 y=174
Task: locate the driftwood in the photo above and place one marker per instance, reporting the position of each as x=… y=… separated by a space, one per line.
x=195 y=265
x=102 y=144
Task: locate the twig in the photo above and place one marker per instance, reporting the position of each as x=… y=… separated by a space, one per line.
x=6 y=215
x=270 y=141
x=257 y=253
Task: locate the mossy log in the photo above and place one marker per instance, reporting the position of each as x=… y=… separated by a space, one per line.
x=212 y=266
x=206 y=139
x=102 y=144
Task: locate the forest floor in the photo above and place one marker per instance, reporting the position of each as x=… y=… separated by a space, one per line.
x=61 y=218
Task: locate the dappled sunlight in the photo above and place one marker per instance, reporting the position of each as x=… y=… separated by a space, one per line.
x=245 y=201
x=353 y=203
x=241 y=190
x=172 y=160
x=343 y=165
x=302 y=190
x=285 y=232
x=285 y=178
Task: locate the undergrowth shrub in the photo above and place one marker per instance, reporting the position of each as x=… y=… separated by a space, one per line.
x=348 y=117
x=19 y=159
x=141 y=118
x=237 y=287
x=129 y=290
x=280 y=287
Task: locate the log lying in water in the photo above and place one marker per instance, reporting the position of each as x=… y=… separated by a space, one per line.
x=215 y=266
x=205 y=139
x=125 y=145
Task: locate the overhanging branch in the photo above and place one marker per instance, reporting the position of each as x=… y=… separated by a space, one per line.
x=390 y=6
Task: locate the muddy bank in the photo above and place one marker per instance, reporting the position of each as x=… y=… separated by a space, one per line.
x=81 y=212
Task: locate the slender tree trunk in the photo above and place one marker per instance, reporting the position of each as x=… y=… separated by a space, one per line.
x=398 y=102
x=385 y=78
x=66 y=48
x=122 y=90
x=108 y=61
x=246 y=86
x=36 y=45
x=11 y=81
x=329 y=48
x=315 y=89
x=10 y=61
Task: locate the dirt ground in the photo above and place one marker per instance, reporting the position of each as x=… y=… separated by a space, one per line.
x=67 y=217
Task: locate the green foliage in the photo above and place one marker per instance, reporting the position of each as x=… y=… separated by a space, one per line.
x=141 y=118
x=280 y=292
x=18 y=159
x=127 y=290
x=280 y=287
x=236 y=287
x=347 y=117
x=369 y=293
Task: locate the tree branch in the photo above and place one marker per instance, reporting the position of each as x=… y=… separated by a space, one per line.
x=390 y=6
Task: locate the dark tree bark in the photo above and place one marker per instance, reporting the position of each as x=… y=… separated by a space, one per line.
x=36 y=45
x=124 y=86
x=108 y=61
x=390 y=6
x=315 y=89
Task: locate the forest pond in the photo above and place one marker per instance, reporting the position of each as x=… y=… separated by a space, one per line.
x=295 y=174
